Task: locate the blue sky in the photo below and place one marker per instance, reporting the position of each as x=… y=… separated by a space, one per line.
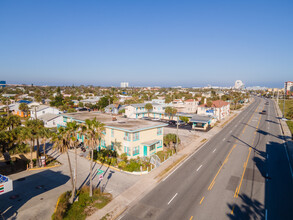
x=146 y=42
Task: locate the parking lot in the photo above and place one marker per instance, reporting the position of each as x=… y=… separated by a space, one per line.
x=35 y=193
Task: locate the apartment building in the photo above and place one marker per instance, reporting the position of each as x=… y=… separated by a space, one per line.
x=139 y=111
x=219 y=109
x=186 y=106
x=288 y=87
x=131 y=136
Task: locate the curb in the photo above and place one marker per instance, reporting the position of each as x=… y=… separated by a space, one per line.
x=44 y=168
x=106 y=165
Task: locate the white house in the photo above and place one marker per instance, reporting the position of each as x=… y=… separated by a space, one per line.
x=186 y=106
x=43 y=109
x=219 y=109
x=51 y=120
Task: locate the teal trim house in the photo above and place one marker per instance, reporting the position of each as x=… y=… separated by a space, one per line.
x=131 y=136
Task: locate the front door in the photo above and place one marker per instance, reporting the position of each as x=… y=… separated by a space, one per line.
x=145 y=151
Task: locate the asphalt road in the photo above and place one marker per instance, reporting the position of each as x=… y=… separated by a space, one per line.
x=241 y=173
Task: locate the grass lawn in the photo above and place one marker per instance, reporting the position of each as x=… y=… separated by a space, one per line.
x=290 y=125
x=85 y=206
x=288 y=104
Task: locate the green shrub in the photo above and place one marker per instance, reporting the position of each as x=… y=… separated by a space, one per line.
x=62 y=206
x=133 y=166
x=83 y=207
x=124 y=157
x=122 y=164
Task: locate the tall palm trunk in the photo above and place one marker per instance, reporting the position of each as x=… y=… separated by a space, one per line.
x=71 y=176
x=75 y=176
x=31 y=151
x=38 y=151
x=91 y=173
x=44 y=148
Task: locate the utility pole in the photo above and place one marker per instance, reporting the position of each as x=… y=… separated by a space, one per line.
x=7 y=107
x=278 y=98
x=36 y=112
x=284 y=104
x=177 y=136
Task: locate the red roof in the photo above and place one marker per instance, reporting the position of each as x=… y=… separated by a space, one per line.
x=217 y=104
x=189 y=100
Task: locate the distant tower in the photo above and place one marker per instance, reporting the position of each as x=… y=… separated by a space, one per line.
x=288 y=87
x=239 y=84
x=124 y=84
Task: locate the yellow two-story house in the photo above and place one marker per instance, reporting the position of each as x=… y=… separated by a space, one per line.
x=135 y=137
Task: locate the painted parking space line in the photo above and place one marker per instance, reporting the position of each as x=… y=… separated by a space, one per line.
x=199 y=168
x=172 y=198
x=214 y=150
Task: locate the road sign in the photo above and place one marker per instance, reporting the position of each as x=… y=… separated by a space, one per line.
x=100 y=177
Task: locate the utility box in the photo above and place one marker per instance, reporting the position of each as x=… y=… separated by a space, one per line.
x=5 y=184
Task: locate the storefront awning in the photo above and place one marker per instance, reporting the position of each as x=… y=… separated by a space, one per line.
x=149 y=143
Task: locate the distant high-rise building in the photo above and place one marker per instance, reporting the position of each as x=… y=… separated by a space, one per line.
x=124 y=84
x=288 y=87
x=239 y=84
x=2 y=84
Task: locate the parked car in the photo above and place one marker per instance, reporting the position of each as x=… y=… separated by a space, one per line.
x=180 y=123
x=82 y=109
x=172 y=122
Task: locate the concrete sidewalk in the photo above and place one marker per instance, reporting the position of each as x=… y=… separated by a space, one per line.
x=148 y=182
x=287 y=135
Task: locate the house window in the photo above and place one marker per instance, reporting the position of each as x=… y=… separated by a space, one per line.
x=112 y=132
x=127 y=136
x=152 y=147
x=159 y=144
x=159 y=131
x=126 y=150
x=136 y=136
x=43 y=112
x=135 y=151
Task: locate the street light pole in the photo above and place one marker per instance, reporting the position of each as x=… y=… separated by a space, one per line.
x=284 y=104
x=177 y=136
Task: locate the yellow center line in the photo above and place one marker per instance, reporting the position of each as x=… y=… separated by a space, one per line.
x=201 y=200
x=246 y=162
x=227 y=157
x=191 y=218
x=232 y=211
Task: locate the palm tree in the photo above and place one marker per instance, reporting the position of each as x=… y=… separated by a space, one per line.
x=62 y=143
x=13 y=121
x=72 y=129
x=35 y=126
x=28 y=135
x=24 y=108
x=148 y=107
x=45 y=135
x=93 y=131
x=171 y=111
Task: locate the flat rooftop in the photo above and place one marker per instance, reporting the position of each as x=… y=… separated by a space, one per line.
x=121 y=123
